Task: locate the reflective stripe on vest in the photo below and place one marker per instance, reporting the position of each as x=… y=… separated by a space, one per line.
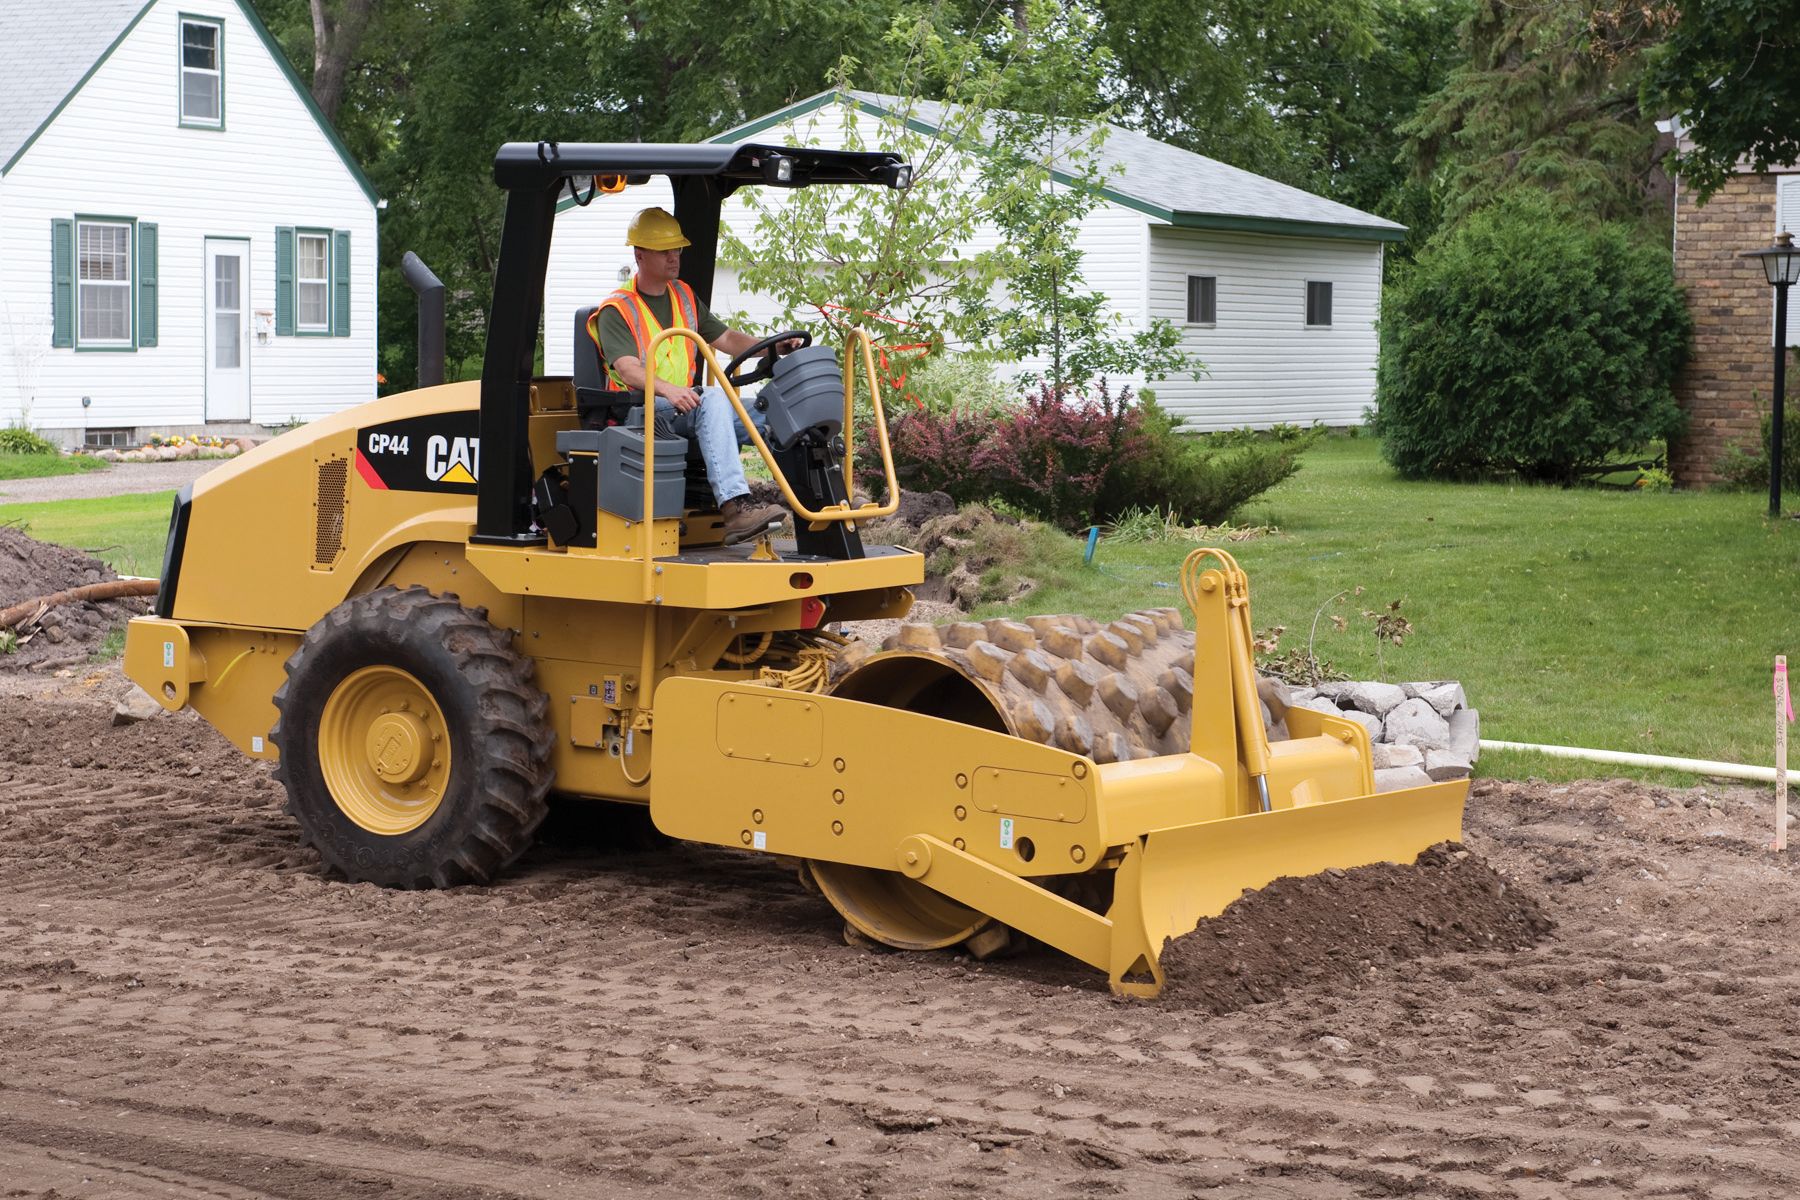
x=677 y=357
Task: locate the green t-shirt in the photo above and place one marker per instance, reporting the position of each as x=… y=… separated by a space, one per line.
x=616 y=341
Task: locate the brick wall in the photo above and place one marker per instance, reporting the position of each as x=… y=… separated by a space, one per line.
x=1726 y=384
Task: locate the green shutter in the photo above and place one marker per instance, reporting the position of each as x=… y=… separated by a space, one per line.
x=340 y=283
x=62 y=282
x=146 y=284
x=284 y=281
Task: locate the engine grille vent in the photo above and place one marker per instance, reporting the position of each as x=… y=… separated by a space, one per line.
x=328 y=507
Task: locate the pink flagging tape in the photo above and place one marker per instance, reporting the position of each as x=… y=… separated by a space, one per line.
x=1782 y=695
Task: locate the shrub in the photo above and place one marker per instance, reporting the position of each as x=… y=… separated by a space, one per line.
x=944 y=382
x=935 y=451
x=1527 y=340
x=1057 y=456
x=1077 y=460
x=16 y=439
x=1752 y=470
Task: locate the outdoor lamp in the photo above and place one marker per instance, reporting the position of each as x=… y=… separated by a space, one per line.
x=1781 y=263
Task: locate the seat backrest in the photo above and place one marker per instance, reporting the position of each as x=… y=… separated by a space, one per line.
x=588 y=371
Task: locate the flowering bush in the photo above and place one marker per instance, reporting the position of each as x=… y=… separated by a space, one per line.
x=178 y=441
x=1077 y=460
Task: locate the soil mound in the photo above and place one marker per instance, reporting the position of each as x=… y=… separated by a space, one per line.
x=973 y=556
x=1341 y=924
x=67 y=634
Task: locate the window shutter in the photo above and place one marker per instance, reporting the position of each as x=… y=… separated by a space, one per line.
x=340 y=283
x=146 y=284
x=284 y=281
x=62 y=282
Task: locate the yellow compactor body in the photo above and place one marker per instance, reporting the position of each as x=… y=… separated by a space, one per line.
x=421 y=610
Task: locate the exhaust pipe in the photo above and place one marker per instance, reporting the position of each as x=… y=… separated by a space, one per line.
x=430 y=290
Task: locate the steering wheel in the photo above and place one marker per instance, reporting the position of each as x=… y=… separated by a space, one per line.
x=766 y=368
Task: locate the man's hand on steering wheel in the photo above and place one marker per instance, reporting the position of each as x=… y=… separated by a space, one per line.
x=784 y=343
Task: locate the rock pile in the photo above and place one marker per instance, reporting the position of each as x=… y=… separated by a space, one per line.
x=176 y=453
x=1420 y=732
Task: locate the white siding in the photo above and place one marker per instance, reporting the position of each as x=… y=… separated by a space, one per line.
x=118 y=149
x=1264 y=365
x=1787 y=219
x=590 y=250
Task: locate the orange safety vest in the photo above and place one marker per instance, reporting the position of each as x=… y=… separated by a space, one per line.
x=678 y=357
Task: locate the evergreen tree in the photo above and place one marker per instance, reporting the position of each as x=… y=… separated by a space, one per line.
x=1548 y=98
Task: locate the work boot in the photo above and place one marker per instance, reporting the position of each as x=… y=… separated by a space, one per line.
x=744 y=520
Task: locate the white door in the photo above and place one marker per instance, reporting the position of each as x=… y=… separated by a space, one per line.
x=227 y=330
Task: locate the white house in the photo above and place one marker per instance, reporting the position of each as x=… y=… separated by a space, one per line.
x=185 y=245
x=1275 y=289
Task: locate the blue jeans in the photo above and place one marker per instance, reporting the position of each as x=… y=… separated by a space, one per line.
x=717 y=428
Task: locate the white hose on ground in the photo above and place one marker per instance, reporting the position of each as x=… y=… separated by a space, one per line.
x=1698 y=766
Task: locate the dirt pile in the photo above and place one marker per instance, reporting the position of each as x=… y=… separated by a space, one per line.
x=1342 y=925
x=69 y=633
x=973 y=556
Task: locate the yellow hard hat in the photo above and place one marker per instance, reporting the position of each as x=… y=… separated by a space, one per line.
x=654 y=229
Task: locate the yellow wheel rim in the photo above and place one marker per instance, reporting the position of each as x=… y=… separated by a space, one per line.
x=384 y=750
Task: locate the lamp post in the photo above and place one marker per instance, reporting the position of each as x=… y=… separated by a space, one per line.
x=1781 y=263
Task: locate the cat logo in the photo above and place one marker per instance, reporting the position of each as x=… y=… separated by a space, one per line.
x=436 y=453
x=453 y=460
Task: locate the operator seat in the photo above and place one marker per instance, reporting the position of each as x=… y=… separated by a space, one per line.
x=599 y=407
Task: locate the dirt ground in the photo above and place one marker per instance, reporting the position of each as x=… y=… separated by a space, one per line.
x=187 y=1009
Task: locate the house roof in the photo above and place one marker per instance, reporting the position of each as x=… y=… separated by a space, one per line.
x=46 y=57
x=1153 y=177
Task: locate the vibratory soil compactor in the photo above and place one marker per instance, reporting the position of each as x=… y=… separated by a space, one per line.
x=434 y=608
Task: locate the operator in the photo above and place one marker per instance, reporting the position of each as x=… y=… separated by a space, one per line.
x=623 y=327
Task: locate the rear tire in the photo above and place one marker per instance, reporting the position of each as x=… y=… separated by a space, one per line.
x=414 y=744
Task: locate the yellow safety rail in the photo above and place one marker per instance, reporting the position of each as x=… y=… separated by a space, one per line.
x=831 y=512
x=1253 y=739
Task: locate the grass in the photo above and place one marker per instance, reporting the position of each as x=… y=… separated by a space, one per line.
x=125 y=532
x=1616 y=620
x=39 y=466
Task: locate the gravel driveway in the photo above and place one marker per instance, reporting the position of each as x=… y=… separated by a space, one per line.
x=117 y=480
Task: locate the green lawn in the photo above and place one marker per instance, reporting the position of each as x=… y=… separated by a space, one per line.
x=126 y=532
x=1616 y=620
x=37 y=466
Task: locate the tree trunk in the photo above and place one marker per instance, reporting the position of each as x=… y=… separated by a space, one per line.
x=338 y=28
x=110 y=590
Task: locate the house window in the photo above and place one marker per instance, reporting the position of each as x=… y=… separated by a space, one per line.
x=202 y=73
x=1318 y=303
x=313 y=282
x=1202 y=299
x=103 y=282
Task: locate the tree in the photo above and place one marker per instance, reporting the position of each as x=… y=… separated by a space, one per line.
x=1548 y=98
x=1730 y=69
x=1019 y=128
x=338 y=27
x=1342 y=91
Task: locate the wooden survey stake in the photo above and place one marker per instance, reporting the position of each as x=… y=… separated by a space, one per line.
x=1784 y=713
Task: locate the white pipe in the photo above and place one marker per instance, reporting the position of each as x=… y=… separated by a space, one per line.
x=1698 y=766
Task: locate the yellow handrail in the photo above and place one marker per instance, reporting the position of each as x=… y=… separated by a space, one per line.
x=831 y=512
x=1253 y=739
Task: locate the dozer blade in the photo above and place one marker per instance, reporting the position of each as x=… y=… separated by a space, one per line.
x=1172 y=879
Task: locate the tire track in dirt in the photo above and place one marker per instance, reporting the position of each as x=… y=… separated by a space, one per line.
x=686 y=1018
